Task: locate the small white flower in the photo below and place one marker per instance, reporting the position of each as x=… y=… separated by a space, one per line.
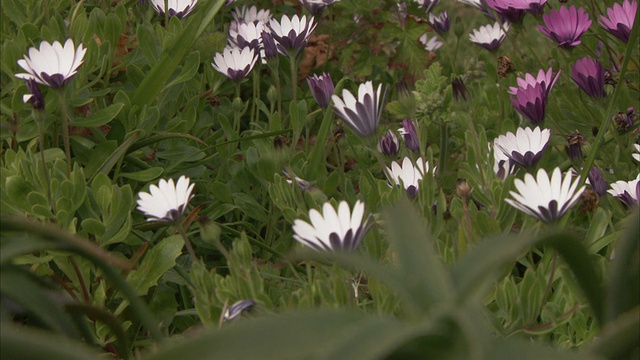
x=636 y=156
x=490 y=37
x=52 y=65
x=235 y=63
x=249 y=34
x=251 y=15
x=627 y=191
x=340 y=230
x=362 y=115
x=166 y=201
x=179 y=8
x=430 y=44
x=546 y=199
x=525 y=147
x=501 y=162
x=291 y=33
x=408 y=175
x=475 y=3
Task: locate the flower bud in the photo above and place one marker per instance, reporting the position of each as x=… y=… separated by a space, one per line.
x=410 y=136
x=574 y=147
x=389 y=144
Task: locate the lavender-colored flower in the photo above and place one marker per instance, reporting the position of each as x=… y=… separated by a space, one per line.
x=507 y=10
x=430 y=44
x=625 y=120
x=291 y=33
x=574 y=146
x=52 y=64
x=531 y=95
x=597 y=181
x=410 y=135
x=565 y=26
x=389 y=144
x=620 y=19
x=627 y=191
x=321 y=88
x=588 y=74
x=235 y=63
x=177 y=8
x=362 y=114
x=525 y=147
x=440 y=23
x=316 y=7
x=490 y=37
x=533 y=6
x=459 y=89
x=269 y=46
x=35 y=96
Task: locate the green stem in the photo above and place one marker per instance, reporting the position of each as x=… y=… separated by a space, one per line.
x=294 y=76
x=187 y=243
x=444 y=138
x=64 y=114
x=38 y=115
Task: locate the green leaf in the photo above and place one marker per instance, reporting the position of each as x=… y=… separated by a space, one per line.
x=524 y=349
x=189 y=69
x=155 y=263
x=25 y=343
x=101 y=117
x=144 y=175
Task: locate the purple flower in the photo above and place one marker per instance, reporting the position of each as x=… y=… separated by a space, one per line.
x=316 y=7
x=237 y=308
x=321 y=88
x=269 y=46
x=389 y=144
x=291 y=33
x=35 y=96
x=531 y=94
x=507 y=10
x=588 y=74
x=410 y=135
x=566 y=25
x=440 y=23
x=620 y=20
x=597 y=182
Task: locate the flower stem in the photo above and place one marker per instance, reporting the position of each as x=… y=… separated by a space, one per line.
x=64 y=114
x=444 y=139
x=38 y=115
x=187 y=243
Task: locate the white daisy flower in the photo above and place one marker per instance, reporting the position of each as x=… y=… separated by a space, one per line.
x=546 y=199
x=362 y=115
x=291 y=33
x=490 y=37
x=340 y=230
x=407 y=175
x=52 y=64
x=178 y=8
x=525 y=147
x=238 y=307
x=430 y=44
x=251 y=15
x=166 y=201
x=636 y=156
x=627 y=191
x=501 y=163
x=235 y=63
x=248 y=34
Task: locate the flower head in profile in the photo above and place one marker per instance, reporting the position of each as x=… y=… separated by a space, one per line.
x=235 y=63
x=440 y=23
x=531 y=95
x=502 y=165
x=546 y=198
x=430 y=44
x=251 y=14
x=166 y=201
x=362 y=114
x=588 y=74
x=238 y=307
x=565 y=26
x=620 y=18
x=509 y=10
x=247 y=35
x=490 y=37
x=627 y=191
x=321 y=88
x=333 y=230
x=316 y=7
x=52 y=64
x=525 y=147
x=410 y=135
x=177 y=8
x=291 y=33
x=389 y=144
x=407 y=174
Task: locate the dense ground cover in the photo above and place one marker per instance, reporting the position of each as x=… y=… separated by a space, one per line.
x=334 y=179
